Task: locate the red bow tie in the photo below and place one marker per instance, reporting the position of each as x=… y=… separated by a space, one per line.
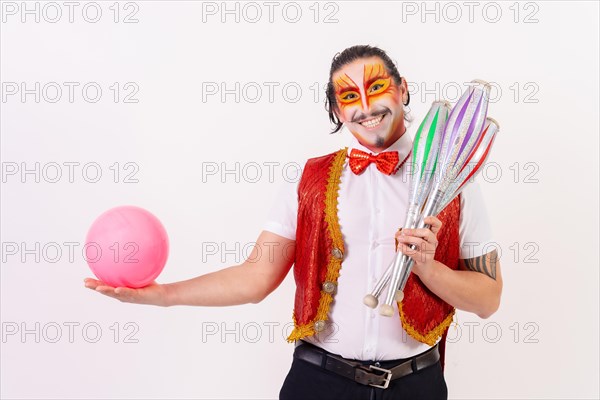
x=386 y=162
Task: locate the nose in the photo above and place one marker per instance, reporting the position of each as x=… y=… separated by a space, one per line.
x=365 y=104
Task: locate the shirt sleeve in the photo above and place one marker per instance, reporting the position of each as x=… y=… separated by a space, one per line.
x=282 y=216
x=475 y=229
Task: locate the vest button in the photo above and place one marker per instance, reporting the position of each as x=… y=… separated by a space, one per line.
x=320 y=326
x=328 y=287
x=337 y=253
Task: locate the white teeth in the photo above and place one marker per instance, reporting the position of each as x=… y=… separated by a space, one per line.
x=373 y=122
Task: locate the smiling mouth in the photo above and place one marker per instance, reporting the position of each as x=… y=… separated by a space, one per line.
x=372 y=122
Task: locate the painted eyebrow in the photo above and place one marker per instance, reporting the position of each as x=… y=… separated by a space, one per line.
x=375 y=78
x=347 y=84
x=372 y=72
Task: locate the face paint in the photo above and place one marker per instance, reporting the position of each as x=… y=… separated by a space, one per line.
x=376 y=83
x=369 y=103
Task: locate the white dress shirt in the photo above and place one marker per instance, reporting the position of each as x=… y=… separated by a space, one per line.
x=371 y=208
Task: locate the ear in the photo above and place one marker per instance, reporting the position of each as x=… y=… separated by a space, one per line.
x=403 y=88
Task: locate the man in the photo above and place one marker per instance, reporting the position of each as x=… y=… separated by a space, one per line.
x=340 y=222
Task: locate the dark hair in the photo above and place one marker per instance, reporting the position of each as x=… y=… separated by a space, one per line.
x=346 y=57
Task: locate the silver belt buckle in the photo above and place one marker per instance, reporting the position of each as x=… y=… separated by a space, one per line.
x=388 y=377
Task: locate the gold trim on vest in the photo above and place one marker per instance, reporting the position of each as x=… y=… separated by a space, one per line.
x=335 y=263
x=433 y=335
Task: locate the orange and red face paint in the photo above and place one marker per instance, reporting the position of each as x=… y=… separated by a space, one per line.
x=377 y=84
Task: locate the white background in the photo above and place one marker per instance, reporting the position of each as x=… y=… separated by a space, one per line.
x=542 y=343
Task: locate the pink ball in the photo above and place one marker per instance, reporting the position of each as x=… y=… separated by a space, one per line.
x=127 y=246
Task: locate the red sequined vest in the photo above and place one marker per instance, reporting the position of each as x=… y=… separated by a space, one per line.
x=320 y=252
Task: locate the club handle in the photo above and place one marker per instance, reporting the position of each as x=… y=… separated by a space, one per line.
x=371 y=299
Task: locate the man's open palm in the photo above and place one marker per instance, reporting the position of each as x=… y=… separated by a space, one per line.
x=154 y=293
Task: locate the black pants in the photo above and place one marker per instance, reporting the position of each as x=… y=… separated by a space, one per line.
x=306 y=381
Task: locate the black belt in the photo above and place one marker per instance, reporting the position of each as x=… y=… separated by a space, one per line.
x=366 y=374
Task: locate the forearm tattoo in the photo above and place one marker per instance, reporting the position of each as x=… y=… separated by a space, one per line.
x=486 y=264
